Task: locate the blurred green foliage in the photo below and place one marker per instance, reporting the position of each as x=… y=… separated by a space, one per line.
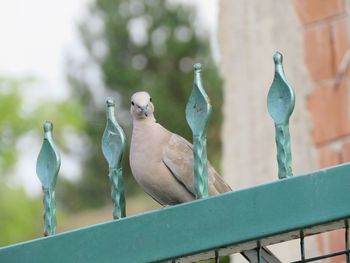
x=66 y=117
x=13 y=124
x=16 y=122
x=222 y=260
x=21 y=216
x=138 y=45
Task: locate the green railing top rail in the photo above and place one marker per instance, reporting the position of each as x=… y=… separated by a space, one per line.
x=229 y=223
x=238 y=221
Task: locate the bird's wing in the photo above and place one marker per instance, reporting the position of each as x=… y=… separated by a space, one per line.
x=178 y=157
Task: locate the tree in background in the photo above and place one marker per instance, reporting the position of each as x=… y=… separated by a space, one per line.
x=138 y=45
x=16 y=122
x=21 y=216
x=13 y=124
x=18 y=213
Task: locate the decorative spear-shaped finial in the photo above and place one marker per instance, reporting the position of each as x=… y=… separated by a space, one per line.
x=47 y=167
x=198 y=111
x=280 y=103
x=113 y=145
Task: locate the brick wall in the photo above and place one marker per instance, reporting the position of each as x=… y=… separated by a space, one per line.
x=325 y=28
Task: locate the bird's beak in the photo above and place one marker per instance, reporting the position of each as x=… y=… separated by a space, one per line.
x=144 y=110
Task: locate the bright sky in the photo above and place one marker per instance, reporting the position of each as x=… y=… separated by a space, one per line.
x=35 y=37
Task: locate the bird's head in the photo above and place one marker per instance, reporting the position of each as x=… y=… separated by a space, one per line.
x=141 y=106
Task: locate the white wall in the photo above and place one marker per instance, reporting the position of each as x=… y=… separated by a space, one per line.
x=250 y=32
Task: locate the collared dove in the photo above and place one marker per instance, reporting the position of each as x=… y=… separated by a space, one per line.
x=162 y=163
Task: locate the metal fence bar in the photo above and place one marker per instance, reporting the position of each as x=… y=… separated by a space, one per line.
x=302 y=246
x=47 y=168
x=198 y=110
x=217 y=258
x=259 y=252
x=113 y=145
x=280 y=103
x=165 y=231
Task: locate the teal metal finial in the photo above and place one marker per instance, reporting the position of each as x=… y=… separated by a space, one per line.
x=197 y=66
x=198 y=110
x=113 y=145
x=278 y=58
x=280 y=103
x=110 y=102
x=47 y=167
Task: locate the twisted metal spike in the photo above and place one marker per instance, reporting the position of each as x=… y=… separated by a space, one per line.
x=280 y=103
x=47 y=167
x=113 y=145
x=198 y=110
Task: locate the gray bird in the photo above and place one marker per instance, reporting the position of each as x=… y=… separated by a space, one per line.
x=162 y=162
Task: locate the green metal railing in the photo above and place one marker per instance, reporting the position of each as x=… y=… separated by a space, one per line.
x=198 y=111
x=280 y=103
x=210 y=227
x=47 y=167
x=113 y=145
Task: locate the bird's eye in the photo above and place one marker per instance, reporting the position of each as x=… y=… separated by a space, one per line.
x=132 y=103
x=150 y=99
